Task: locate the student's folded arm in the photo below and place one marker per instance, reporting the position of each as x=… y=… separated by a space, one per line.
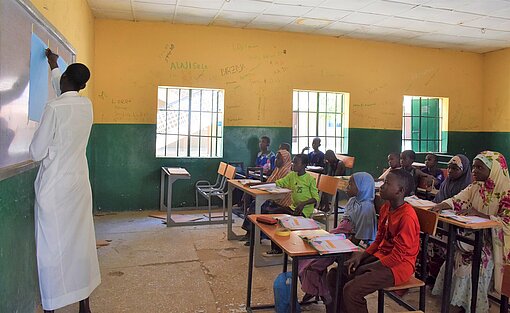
x=406 y=242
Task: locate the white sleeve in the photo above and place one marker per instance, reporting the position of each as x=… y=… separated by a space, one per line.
x=55 y=80
x=44 y=135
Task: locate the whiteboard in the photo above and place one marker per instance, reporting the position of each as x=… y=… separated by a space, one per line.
x=18 y=19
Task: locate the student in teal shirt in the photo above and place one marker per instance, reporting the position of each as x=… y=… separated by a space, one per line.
x=304 y=194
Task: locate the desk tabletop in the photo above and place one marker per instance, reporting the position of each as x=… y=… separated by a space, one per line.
x=484 y=225
x=179 y=171
x=251 y=191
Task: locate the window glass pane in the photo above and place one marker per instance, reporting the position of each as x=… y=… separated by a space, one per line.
x=183 y=146
x=213 y=147
x=193 y=146
x=184 y=99
x=205 y=124
x=338 y=125
x=215 y=101
x=160 y=128
x=220 y=147
x=195 y=124
x=205 y=145
x=303 y=101
x=303 y=124
x=330 y=125
x=295 y=146
x=322 y=125
x=171 y=145
x=172 y=123
x=173 y=99
x=339 y=102
x=183 y=122
x=195 y=100
x=303 y=142
x=160 y=145
x=331 y=102
x=220 y=125
x=214 y=125
x=312 y=101
x=295 y=117
x=206 y=100
x=221 y=100
x=161 y=98
x=338 y=144
x=295 y=100
x=312 y=126
x=322 y=102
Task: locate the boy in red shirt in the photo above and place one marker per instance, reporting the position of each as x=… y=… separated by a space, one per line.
x=390 y=260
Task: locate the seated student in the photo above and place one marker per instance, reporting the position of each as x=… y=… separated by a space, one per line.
x=432 y=169
x=390 y=260
x=488 y=197
x=304 y=193
x=459 y=177
x=284 y=146
x=316 y=157
x=359 y=223
x=265 y=158
x=393 y=163
x=334 y=166
x=407 y=158
x=283 y=167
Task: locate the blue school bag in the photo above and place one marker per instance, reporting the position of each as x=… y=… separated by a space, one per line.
x=281 y=288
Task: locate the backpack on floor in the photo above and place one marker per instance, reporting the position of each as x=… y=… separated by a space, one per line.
x=282 y=290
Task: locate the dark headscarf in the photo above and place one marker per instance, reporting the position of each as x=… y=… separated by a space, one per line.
x=450 y=187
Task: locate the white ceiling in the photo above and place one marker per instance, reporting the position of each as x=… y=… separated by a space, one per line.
x=469 y=25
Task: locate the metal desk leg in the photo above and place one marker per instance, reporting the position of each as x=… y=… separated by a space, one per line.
x=169 y=220
x=448 y=272
x=230 y=233
x=285 y=261
x=293 y=295
x=475 y=268
x=338 y=293
x=335 y=211
x=250 y=268
x=162 y=191
x=259 y=259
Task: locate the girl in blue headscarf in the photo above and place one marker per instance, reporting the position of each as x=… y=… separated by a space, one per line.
x=359 y=223
x=359 y=219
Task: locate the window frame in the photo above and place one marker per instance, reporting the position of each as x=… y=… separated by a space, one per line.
x=216 y=114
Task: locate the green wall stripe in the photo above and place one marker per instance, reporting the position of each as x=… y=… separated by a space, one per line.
x=18 y=266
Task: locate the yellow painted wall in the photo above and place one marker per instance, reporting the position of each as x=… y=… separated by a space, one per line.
x=258 y=70
x=497 y=91
x=74 y=20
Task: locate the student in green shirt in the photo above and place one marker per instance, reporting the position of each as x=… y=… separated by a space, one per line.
x=304 y=194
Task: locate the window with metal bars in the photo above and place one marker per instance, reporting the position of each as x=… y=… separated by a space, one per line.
x=189 y=122
x=319 y=114
x=422 y=124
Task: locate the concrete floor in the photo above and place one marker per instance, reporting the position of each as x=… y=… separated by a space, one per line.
x=151 y=268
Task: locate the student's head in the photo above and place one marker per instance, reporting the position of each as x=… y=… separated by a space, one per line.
x=316 y=143
x=74 y=78
x=431 y=160
x=299 y=163
x=481 y=170
x=284 y=146
x=330 y=156
x=393 y=160
x=264 y=143
x=362 y=186
x=458 y=166
x=407 y=158
x=398 y=184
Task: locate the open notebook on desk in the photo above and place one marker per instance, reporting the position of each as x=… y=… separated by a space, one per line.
x=464 y=219
x=330 y=243
x=419 y=203
x=297 y=223
x=271 y=187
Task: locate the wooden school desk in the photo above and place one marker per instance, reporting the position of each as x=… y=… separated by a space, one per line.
x=260 y=196
x=478 y=229
x=294 y=247
x=171 y=174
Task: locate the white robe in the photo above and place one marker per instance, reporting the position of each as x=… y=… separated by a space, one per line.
x=64 y=228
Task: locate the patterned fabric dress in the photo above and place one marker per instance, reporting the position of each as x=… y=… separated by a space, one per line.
x=490 y=197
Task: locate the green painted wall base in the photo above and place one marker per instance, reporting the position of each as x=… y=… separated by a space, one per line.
x=19 y=291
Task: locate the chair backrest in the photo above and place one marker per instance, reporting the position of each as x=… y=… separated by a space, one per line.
x=505 y=286
x=347 y=160
x=315 y=175
x=428 y=221
x=230 y=172
x=221 y=168
x=328 y=184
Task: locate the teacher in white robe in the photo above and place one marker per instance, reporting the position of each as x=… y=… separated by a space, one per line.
x=64 y=228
